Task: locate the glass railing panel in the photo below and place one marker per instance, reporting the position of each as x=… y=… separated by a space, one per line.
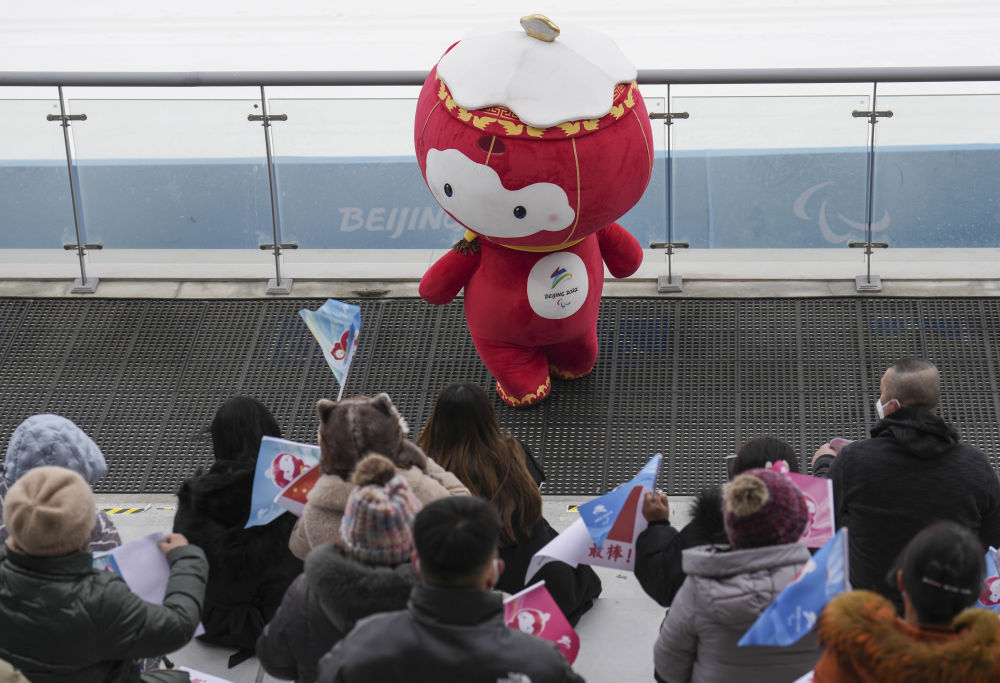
x=172 y=173
x=348 y=178
x=36 y=210
x=935 y=170
x=768 y=172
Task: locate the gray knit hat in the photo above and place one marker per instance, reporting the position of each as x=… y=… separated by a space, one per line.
x=48 y=439
x=49 y=512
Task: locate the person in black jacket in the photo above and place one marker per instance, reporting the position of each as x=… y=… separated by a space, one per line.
x=912 y=472
x=368 y=572
x=453 y=627
x=658 y=548
x=249 y=569
x=463 y=435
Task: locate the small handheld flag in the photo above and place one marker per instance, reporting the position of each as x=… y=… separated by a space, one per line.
x=797 y=607
x=601 y=513
x=535 y=611
x=279 y=463
x=336 y=326
x=990 y=597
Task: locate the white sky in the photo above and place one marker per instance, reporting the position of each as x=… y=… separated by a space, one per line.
x=206 y=35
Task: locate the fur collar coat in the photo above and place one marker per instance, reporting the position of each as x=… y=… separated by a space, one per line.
x=866 y=641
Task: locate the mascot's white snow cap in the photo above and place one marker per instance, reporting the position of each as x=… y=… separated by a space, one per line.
x=544 y=77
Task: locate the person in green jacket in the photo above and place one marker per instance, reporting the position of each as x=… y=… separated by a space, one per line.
x=63 y=621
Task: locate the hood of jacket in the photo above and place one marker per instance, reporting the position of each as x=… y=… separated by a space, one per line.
x=706 y=515
x=737 y=585
x=349 y=590
x=862 y=628
x=918 y=432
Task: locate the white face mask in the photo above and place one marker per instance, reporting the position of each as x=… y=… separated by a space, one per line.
x=880 y=409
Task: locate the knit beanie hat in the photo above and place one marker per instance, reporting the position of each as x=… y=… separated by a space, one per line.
x=49 y=512
x=48 y=439
x=377 y=527
x=761 y=508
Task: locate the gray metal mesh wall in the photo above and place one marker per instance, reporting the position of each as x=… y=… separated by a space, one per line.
x=691 y=378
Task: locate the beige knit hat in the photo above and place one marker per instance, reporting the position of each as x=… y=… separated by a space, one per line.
x=49 y=512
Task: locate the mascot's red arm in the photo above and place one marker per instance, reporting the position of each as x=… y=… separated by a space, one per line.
x=620 y=250
x=444 y=280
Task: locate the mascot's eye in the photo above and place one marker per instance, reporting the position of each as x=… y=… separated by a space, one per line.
x=520 y=212
x=447 y=190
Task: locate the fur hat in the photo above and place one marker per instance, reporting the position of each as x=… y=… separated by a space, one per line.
x=49 y=512
x=761 y=508
x=353 y=427
x=48 y=439
x=377 y=527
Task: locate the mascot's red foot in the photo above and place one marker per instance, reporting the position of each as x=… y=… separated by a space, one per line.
x=527 y=399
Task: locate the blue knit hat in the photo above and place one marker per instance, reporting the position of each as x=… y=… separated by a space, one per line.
x=377 y=527
x=52 y=440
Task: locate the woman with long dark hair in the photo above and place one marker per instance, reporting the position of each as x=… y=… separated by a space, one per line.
x=249 y=569
x=463 y=435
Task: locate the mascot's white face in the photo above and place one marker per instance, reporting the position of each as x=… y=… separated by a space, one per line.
x=475 y=196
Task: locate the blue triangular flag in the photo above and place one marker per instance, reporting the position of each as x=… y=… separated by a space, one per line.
x=336 y=326
x=990 y=597
x=794 y=612
x=279 y=462
x=600 y=514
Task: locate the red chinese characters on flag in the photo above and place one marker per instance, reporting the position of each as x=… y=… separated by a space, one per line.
x=618 y=550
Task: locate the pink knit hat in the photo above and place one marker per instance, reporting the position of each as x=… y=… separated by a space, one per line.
x=377 y=527
x=762 y=507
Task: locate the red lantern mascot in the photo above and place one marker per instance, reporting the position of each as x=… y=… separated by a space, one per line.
x=537 y=142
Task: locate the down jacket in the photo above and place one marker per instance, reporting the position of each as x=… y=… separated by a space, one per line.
x=323 y=604
x=101 y=626
x=444 y=634
x=724 y=593
x=249 y=569
x=866 y=641
x=320 y=521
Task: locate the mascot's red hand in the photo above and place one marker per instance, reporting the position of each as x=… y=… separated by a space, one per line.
x=444 y=280
x=620 y=250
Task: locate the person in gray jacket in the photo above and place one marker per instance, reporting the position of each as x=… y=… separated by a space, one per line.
x=453 y=628
x=727 y=588
x=62 y=620
x=48 y=439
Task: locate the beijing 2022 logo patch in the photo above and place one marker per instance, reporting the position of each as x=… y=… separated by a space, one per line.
x=557 y=285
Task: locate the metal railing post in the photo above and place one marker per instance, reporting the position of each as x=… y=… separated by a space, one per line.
x=83 y=284
x=669 y=283
x=277 y=284
x=868 y=282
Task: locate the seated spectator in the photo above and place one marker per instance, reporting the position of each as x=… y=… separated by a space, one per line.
x=369 y=572
x=939 y=575
x=48 y=439
x=463 y=435
x=659 y=546
x=63 y=621
x=726 y=589
x=349 y=430
x=249 y=569
x=912 y=472
x=453 y=627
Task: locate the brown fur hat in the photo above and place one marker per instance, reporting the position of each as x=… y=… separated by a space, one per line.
x=351 y=428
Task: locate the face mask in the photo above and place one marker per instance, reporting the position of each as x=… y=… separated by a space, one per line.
x=879 y=409
x=496 y=570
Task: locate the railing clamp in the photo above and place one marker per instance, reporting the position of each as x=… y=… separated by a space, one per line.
x=84 y=247
x=280 y=247
x=668 y=119
x=669 y=282
x=267 y=119
x=67 y=118
x=872 y=116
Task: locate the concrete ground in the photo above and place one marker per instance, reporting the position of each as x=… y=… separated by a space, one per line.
x=616 y=636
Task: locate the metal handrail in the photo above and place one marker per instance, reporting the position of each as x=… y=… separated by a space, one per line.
x=889 y=74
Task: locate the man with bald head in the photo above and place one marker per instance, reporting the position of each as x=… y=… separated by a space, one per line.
x=912 y=472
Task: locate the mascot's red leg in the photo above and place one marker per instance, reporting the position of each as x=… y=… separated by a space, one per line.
x=574 y=358
x=522 y=372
